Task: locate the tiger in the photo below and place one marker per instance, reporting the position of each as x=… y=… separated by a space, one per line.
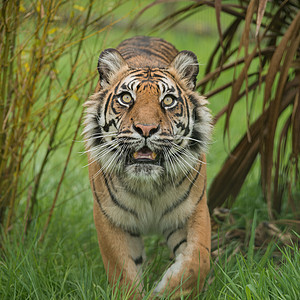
x=146 y=133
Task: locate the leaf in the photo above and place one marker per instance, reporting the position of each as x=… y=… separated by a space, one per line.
x=260 y=13
x=52 y=30
x=187 y=9
x=244 y=73
x=268 y=141
x=296 y=125
x=252 y=239
x=253 y=86
x=22 y=8
x=236 y=87
x=234 y=171
x=218 y=6
x=276 y=58
x=277 y=194
x=248 y=20
x=79 y=7
x=208 y=77
x=228 y=36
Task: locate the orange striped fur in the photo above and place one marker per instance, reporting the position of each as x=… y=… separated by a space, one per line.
x=146 y=133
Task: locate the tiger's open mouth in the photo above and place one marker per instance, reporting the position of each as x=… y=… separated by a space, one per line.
x=144 y=156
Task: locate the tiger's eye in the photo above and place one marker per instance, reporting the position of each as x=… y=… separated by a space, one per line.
x=126 y=99
x=168 y=101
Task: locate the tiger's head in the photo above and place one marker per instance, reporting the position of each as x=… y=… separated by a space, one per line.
x=147 y=124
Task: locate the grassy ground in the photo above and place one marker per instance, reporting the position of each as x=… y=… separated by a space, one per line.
x=67 y=264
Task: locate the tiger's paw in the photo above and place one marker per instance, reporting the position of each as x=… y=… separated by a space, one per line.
x=173 y=280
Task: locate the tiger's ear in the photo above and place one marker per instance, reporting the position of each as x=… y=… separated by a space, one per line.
x=186 y=65
x=110 y=62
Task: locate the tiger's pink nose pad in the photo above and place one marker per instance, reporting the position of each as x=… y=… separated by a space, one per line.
x=146 y=130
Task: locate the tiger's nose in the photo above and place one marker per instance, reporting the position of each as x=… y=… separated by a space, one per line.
x=146 y=130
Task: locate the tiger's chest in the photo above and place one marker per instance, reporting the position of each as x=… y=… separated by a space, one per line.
x=145 y=211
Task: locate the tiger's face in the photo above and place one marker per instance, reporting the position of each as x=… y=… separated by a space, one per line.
x=147 y=124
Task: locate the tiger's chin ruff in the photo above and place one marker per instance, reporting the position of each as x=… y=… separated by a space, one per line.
x=143 y=179
x=144 y=172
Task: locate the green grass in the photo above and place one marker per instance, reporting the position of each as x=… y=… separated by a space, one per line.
x=67 y=264
x=257 y=278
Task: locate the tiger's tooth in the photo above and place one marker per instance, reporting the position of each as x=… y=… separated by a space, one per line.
x=135 y=155
x=153 y=155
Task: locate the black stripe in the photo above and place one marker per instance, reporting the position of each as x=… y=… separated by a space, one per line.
x=132 y=234
x=138 y=261
x=111 y=182
x=132 y=71
x=172 y=232
x=194 y=101
x=182 y=199
x=105 y=111
x=178 y=245
x=116 y=202
x=156 y=54
x=169 y=51
x=164 y=87
x=117 y=87
x=115 y=105
x=194 y=145
x=130 y=84
x=205 y=248
x=99 y=203
x=125 y=131
x=187 y=129
x=179 y=114
x=107 y=125
x=172 y=90
x=159 y=58
x=182 y=126
x=101 y=98
x=169 y=75
x=185 y=177
x=97 y=133
x=140 y=42
x=157 y=75
x=202 y=194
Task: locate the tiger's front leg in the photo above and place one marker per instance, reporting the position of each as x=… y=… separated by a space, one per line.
x=122 y=254
x=192 y=256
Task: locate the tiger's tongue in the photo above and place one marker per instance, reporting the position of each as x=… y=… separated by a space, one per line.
x=144 y=153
